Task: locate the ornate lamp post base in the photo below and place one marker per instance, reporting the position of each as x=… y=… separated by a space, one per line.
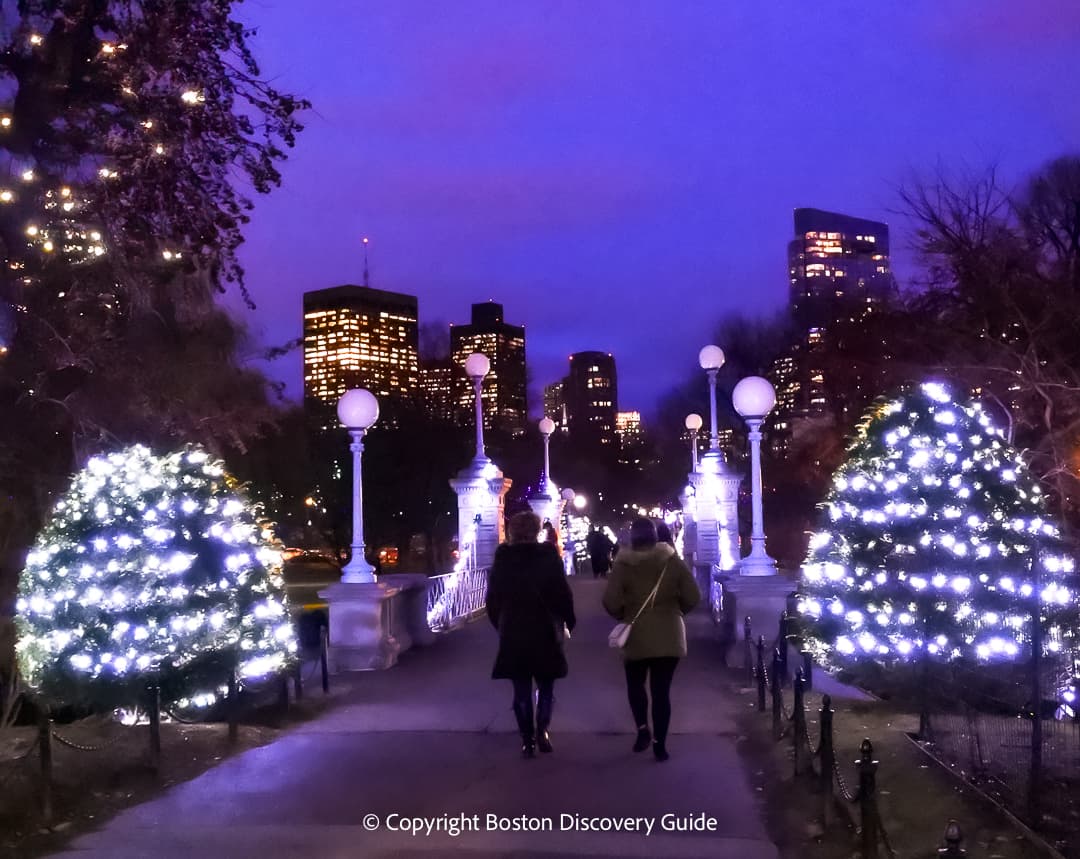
x=758 y=562
x=361 y=637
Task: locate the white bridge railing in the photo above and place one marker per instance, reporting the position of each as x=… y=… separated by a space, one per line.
x=455 y=598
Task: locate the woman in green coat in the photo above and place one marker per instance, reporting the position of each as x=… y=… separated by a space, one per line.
x=658 y=637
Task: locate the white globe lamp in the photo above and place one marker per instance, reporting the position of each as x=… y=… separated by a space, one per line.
x=358 y=410
x=693 y=423
x=477 y=366
x=711 y=359
x=754 y=398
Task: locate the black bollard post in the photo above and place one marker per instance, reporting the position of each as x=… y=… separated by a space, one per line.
x=828 y=760
x=782 y=646
x=954 y=840
x=868 y=800
x=45 y=752
x=324 y=644
x=233 y=706
x=777 y=696
x=808 y=669
x=799 y=728
x=298 y=680
x=154 y=712
x=761 y=673
x=748 y=651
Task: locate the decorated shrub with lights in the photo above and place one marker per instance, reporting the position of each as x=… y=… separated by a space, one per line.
x=153 y=570
x=934 y=546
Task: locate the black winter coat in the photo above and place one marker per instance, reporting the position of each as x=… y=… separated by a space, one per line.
x=528 y=601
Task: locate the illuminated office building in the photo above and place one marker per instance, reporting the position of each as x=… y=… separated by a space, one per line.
x=504 y=390
x=555 y=405
x=839 y=270
x=359 y=337
x=628 y=429
x=592 y=397
x=836 y=263
x=437 y=388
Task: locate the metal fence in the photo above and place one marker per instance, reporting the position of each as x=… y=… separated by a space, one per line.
x=456 y=598
x=765 y=668
x=1022 y=754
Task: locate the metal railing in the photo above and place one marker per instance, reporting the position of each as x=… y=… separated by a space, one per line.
x=815 y=763
x=456 y=598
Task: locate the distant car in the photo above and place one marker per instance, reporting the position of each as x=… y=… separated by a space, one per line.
x=305 y=575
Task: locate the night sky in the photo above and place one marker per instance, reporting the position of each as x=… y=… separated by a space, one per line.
x=621 y=175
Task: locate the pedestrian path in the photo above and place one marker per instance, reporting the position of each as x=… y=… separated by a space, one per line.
x=434 y=739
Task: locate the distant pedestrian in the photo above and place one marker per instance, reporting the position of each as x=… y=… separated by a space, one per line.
x=663 y=534
x=599 y=548
x=529 y=602
x=650 y=582
x=552 y=536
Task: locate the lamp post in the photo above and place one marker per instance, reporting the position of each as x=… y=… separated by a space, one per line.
x=547 y=427
x=358 y=410
x=711 y=359
x=477 y=366
x=693 y=423
x=753 y=398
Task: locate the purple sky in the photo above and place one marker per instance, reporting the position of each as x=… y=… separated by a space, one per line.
x=620 y=175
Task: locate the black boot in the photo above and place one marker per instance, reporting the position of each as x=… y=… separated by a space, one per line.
x=544 y=706
x=523 y=712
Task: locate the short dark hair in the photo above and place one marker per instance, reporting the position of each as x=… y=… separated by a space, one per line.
x=642 y=533
x=524 y=527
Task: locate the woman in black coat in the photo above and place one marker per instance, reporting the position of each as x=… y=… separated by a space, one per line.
x=529 y=603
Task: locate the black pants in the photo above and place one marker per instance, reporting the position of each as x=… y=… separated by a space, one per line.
x=660 y=670
x=523 y=701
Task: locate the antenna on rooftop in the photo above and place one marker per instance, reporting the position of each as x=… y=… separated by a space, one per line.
x=365 y=262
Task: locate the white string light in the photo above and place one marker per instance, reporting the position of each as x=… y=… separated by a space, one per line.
x=152 y=569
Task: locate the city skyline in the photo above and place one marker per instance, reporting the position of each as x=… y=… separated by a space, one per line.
x=589 y=169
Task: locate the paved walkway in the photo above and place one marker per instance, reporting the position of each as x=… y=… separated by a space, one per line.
x=434 y=738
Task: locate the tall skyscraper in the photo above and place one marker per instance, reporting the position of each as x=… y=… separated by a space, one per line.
x=592 y=397
x=836 y=262
x=358 y=337
x=555 y=404
x=504 y=391
x=839 y=269
x=437 y=388
x=628 y=428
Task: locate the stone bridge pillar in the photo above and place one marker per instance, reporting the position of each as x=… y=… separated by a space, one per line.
x=481 y=491
x=716 y=500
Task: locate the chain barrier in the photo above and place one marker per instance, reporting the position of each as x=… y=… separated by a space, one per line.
x=84 y=747
x=794 y=724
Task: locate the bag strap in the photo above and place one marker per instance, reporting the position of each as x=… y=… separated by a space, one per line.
x=651 y=598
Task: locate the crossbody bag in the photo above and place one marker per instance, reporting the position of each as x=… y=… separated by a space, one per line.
x=618 y=636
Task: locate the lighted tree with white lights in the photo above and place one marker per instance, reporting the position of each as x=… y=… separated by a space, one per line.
x=154 y=570
x=934 y=545
x=134 y=135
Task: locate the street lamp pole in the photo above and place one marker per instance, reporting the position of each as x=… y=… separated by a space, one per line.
x=693 y=423
x=711 y=359
x=753 y=398
x=477 y=367
x=547 y=427
x=358 y=410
